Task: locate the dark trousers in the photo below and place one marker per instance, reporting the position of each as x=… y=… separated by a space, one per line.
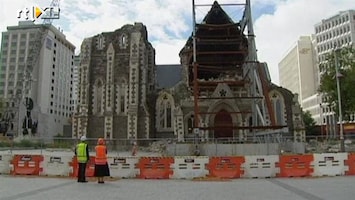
x=81 y=172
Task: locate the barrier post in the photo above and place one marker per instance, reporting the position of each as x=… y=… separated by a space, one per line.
x=56 y=165
x=5 y=162
x=188 y=167
x=329 y=164
x=155 y=167
x=295 y=166
x=226 y=167
x=261 y=166
x=123 y=167
x=350 y=162
x=27 y=164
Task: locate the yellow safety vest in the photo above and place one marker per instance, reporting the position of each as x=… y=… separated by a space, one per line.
x=81 y=152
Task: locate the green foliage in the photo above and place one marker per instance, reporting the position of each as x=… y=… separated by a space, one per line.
x=60 y=141
x=28 y=143
x=309 y=123
x=5 y=144
x=31 y=144
x=345 y=60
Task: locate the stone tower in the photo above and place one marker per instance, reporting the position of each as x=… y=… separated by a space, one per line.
x=116 y=85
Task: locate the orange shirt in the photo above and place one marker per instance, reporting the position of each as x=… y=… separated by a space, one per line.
x=101 y=155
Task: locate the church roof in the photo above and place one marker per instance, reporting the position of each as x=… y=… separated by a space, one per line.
x=217 y=15
x=221 y=45
x=168 y=75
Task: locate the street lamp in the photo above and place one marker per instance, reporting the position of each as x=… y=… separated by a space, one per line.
x=338 y=75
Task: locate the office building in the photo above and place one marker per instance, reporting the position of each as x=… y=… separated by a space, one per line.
x=36 y=79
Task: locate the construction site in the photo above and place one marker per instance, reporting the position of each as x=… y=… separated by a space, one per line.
x=224 y=131
x=231 y=94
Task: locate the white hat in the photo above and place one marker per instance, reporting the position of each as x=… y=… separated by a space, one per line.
x=83 y=138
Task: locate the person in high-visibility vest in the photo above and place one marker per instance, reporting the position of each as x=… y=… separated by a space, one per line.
x=101 y=165
x=83 y=157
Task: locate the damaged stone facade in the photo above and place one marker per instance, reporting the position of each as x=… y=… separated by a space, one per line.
x=119 y=98
x=116 y=85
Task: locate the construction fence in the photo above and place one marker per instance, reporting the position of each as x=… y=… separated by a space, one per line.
x=190 y=147
x=184 y=167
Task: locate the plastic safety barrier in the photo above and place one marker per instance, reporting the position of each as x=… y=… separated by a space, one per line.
x=295 y=166
x=155 y=167
x=261 y=166
x=329 y=164
x=123 y=167
x=57 y=165
x=27 y=164
x=186 y=167
x=5 y=162
x=350 y=162
x=226 y=167
x=90 y=167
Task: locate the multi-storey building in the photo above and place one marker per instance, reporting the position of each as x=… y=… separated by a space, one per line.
x=36 y=79
x=297 y=71
x=331 y=33
x=75 y=75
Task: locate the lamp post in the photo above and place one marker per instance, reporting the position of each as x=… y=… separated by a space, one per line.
x=341 y=131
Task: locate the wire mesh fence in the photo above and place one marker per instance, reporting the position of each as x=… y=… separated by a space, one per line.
x=171 y=146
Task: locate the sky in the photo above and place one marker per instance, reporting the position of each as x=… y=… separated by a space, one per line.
x=277 y=23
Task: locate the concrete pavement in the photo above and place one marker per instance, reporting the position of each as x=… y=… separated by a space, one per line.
x=44 y=188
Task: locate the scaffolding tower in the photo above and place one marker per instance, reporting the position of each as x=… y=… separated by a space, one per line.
x=229 y=48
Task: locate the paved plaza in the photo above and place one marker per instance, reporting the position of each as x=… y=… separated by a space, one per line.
x=44 y=188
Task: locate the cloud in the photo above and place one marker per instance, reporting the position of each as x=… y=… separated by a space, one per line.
x=276 y=33
x=277 y=25
x=165 y=21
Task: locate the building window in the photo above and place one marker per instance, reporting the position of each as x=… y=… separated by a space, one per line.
x=100 y=42
x=190 y=124
x=122 y=101
x=98 y=97
x=165 y=104
x=278 y=106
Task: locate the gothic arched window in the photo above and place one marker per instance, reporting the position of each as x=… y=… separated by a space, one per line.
x=165 y=104
x=98 y=97
x=190 y=124
x=123 y=41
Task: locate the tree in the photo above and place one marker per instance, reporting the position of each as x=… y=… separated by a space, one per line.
x=309 y=123
x=345 y=60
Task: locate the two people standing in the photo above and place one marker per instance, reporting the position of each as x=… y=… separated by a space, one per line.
x=83 y=157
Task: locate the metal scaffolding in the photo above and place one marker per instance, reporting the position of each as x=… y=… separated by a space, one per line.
x=220 y=48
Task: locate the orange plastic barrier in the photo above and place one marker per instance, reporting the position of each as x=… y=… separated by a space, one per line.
x=226 y=167
x=26 y=164
x=295 y=166
x=90 y=167
x=350 y=162
x=155 y=167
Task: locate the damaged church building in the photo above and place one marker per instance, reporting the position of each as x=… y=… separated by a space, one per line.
x=218 y=91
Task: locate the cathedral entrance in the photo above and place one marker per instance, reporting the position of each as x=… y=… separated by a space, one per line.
x=224 y=125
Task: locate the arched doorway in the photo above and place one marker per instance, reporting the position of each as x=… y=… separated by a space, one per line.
x=223 y=123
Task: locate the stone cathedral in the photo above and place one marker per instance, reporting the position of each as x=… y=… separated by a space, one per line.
x=122 y=94
x=116 y=85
